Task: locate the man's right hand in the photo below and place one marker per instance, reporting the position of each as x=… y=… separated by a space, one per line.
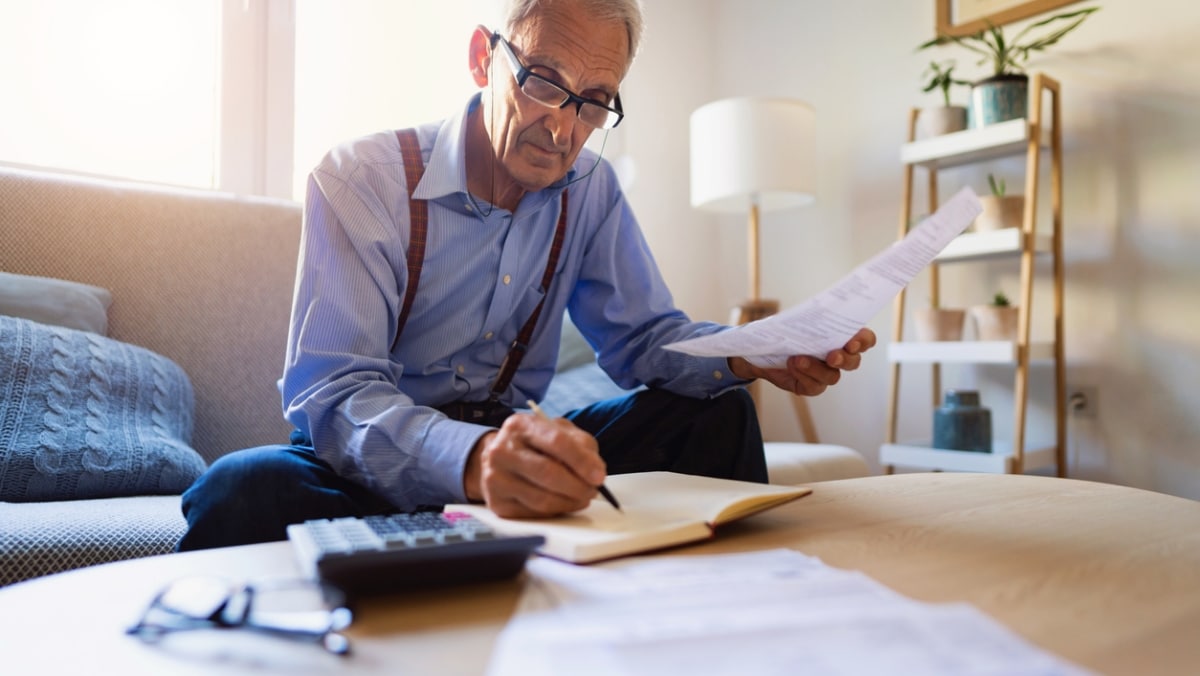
x=533 y=467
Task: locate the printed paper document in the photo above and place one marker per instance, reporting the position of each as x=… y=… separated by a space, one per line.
x=828 y=320
x=768 y=612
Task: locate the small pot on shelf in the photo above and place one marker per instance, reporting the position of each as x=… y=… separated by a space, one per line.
x=997 y=321
x=1000 y=210
x=940 y=120
x=999 y=98
x=946 y=118
x=932 y=324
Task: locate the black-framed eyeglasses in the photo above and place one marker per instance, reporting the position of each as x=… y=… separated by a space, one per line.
x=296 y=609
x=553 y=95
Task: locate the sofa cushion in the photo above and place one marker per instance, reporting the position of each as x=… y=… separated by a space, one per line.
x=579 y=387
x=55 y=301
x=39 y=538
x=85 y=416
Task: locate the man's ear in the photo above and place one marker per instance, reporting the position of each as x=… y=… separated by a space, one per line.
x=481 y=55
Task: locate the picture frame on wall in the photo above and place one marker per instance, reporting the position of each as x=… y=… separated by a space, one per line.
x=966 y=17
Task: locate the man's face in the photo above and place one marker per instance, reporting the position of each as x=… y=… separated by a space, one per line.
x=537 y=144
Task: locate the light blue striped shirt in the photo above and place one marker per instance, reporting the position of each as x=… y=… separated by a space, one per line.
x=366 y=406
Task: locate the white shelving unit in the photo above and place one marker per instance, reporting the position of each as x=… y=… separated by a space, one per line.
x=1030 y=137
x=1001 y=460
x=993 y=245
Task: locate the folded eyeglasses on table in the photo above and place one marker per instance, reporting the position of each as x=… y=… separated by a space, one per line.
x=297 y=609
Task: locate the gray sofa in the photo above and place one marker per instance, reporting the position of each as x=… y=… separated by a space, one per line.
x=203 y=279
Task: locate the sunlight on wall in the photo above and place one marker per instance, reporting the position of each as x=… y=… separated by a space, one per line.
x=367 y=65
x=88 y=87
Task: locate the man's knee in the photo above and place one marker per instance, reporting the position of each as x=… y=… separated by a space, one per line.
x=734 y=407
x=250 y=496
x=736 y=402
x=247 y=471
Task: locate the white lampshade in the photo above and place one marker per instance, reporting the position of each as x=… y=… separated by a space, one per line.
x=752 y=149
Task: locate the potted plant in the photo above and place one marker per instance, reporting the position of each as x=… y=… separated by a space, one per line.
x=938 y=323
x=1003 y=95
x=1000 y=210
x=996 y=321
x=947 y=118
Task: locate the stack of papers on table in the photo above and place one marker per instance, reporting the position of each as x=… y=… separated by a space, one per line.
x=772 y=612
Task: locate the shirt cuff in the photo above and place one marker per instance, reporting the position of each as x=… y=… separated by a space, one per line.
x=721 y=379
x=447 y=448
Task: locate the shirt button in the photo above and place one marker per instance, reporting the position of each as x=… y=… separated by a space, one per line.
x=461 y=368
x=718 y=375
x=467 y=206
x=488 y=335
x=507 y=279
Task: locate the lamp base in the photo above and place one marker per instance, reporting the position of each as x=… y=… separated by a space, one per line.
x=753 y=310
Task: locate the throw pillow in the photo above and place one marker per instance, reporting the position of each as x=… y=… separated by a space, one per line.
x=85 y=416
x=55 y=301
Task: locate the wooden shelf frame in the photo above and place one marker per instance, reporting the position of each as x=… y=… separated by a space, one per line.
x=1031 y=137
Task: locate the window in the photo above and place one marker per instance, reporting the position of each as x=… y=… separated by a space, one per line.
x=125 y=88
x=238 y=95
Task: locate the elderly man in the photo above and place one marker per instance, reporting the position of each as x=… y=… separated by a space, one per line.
x=435 y=268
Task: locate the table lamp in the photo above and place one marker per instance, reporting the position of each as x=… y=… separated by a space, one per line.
x=751 y=155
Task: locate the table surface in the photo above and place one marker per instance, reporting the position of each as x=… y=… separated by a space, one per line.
x=1105 y=576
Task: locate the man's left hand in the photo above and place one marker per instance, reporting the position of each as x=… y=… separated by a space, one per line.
x=806 y=375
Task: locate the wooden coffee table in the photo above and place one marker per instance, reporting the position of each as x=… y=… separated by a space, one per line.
x=1105 y=576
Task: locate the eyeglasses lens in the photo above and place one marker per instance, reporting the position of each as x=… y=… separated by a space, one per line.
x=198 y=598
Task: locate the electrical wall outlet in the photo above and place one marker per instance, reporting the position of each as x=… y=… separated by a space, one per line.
x=1081 y=401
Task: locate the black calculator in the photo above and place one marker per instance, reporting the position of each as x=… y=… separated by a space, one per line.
x=391 y=553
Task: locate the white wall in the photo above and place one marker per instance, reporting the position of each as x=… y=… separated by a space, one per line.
x=1131 y=88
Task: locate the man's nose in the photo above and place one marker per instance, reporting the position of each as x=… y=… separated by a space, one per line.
x=562 y=126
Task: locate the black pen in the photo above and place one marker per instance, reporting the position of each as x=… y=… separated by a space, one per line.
x=612 y=500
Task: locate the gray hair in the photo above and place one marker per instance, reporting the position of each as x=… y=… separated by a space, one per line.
x=628 y=12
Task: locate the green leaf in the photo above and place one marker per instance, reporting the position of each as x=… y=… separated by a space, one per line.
x=1008 y=55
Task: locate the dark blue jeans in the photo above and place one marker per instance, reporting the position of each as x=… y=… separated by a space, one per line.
x=252 y=495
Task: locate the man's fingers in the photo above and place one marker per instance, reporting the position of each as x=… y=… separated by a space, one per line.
x=815 y=370
x=561 y=440
x=512 y=494
x=540 y=467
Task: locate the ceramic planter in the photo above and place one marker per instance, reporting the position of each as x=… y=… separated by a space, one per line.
x=961 y=424
x=938 y=324
x=1000 y=212
x=999 y=98
x=941 y=120
x=995 y=322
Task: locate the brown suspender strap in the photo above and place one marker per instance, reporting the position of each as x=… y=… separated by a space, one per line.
x=418 y=215
x=516 y=351
x=414 y=168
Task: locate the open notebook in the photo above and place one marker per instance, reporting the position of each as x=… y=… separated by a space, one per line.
x=659 y=509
